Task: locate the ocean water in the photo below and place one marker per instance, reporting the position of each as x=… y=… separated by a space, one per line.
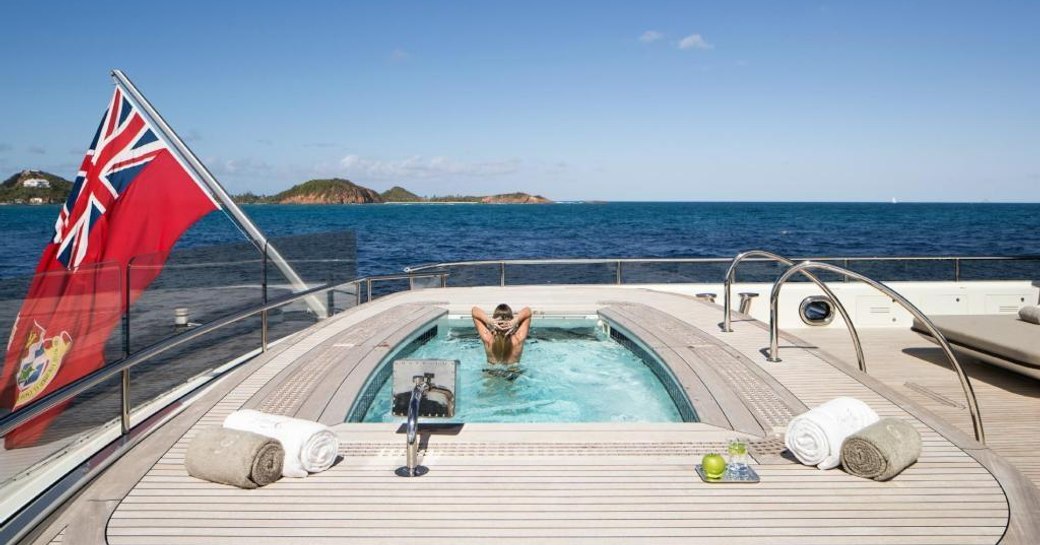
x=390 y=237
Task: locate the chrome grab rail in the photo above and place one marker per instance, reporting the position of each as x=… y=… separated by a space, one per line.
x=443 y=276
x=727 y=298
x=957 y=260
x=412 y=467
x=774 y=329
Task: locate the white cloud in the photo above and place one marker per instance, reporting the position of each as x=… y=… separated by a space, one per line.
x=238 y=167
x=418 y=167
x=650 y=36
x=399 y=55
x=694 y=41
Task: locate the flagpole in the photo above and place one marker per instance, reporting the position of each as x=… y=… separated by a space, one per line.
x=205 y=176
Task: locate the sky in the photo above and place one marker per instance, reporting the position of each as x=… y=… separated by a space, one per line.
x=638 y=101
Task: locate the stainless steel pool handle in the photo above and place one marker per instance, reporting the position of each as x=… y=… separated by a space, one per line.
x=412 y=467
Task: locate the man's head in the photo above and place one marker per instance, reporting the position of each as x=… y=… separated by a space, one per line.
x=502 y=312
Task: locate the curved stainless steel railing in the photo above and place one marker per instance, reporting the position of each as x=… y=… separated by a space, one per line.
x=727 y=298
x=65 y=393
x=619 y=262
x=774 y=329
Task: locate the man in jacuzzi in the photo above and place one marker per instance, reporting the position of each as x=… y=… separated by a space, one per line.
x=503 y=333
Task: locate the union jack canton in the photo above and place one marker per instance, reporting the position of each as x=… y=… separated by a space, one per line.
x=123 y=145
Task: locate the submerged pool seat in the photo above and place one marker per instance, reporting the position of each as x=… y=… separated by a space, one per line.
x=1002 y=339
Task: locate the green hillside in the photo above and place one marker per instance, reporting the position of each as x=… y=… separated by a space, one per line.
x=330 y=191
x=13 y=190
x=400 y=194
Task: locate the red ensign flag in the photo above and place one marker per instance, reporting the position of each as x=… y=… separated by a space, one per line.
x=132 y=197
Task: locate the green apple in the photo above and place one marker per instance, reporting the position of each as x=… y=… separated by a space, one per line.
x=714 y=465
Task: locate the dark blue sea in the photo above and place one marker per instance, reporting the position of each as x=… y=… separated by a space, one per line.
x=390 y=237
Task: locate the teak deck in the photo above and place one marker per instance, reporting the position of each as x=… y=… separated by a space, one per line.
x=571 y=483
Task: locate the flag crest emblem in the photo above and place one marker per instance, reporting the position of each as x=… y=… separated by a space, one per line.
x=40 y=360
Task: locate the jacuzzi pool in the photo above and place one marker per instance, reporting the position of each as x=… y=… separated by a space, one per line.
x=573 y=370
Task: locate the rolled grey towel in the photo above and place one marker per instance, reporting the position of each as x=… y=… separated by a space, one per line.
x=240 y=458
x=1030 y=313
x=881 y=450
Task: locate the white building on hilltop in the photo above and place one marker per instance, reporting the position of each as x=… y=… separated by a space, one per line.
x=38 y=183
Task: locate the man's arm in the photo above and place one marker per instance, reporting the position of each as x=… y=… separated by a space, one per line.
x=483 y=324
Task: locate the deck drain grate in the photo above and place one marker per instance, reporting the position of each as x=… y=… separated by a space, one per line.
x=755 y=392
x=772 y=446
x=539 y=449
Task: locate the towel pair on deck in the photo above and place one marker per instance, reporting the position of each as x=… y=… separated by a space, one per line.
x=255 y=449
x=846 y=431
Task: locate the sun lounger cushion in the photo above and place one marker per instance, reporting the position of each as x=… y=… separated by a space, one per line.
x=1001 y=335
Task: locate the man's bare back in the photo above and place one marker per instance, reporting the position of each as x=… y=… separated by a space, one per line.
x=503 y=333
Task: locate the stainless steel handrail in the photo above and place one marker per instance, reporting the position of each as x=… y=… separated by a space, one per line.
x=577 y=261
x=727 y=297
x=11 y=421
x=443 y=276
x=774 y=329
x=412 y=467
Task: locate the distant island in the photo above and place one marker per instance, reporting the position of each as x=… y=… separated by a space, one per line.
x=34 y=187
x=39 y=187
x=340 y=191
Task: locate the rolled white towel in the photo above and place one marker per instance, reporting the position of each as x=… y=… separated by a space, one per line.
x=815 y=437
x=309 y=446
x=1030 y=313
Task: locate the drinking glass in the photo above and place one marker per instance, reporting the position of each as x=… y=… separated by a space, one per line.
x=738 y=458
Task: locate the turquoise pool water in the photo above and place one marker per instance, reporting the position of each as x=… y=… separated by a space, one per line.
x=569 y=374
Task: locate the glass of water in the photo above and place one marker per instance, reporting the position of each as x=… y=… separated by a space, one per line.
x=738 y=458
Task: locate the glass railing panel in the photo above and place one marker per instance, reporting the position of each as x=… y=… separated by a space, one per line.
x=465 y=276
x=561 y=273
x=826 y=276
x=382 y=287
x=1000 y=269
x=665 y=272
x=754 y=270
x=193 y=287
x=65 y=326
x=904 y=270
x=62 y=437
x=326 y=258
x=191 y=363
x=13 y=291
x=317 y=258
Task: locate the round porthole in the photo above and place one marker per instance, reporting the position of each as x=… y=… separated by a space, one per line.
x=816 y=310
